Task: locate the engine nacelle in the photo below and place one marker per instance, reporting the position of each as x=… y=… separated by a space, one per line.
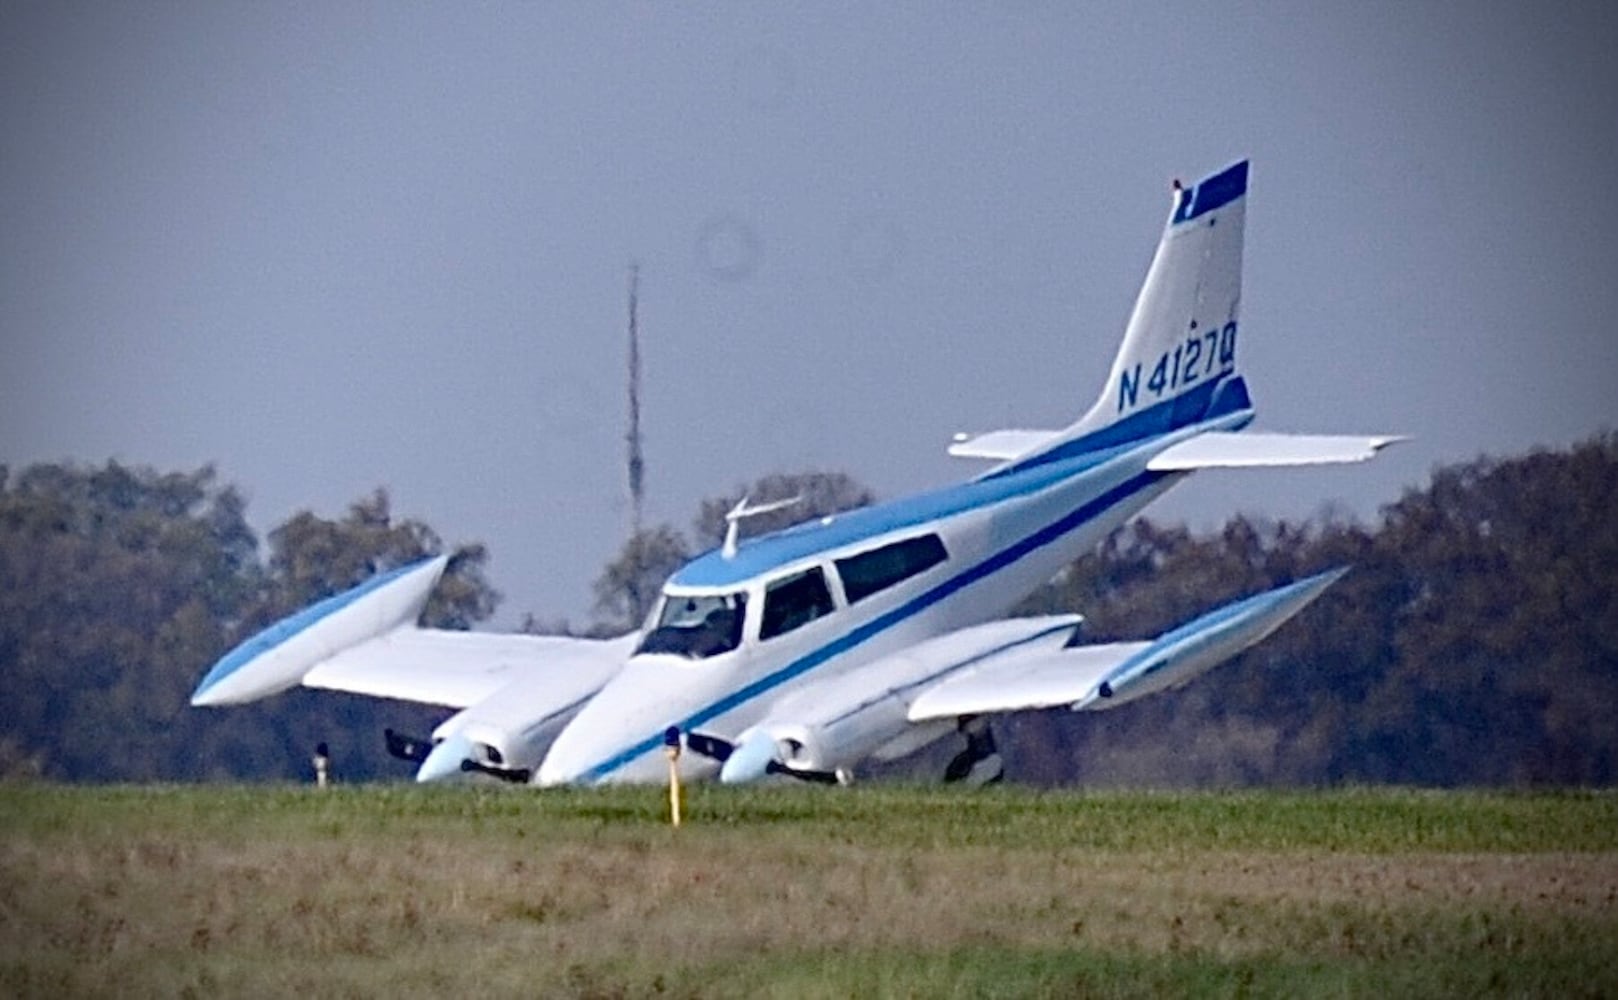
x=827 y=729
x=768 y=748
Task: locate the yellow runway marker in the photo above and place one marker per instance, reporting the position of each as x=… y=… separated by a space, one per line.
x=671 y=748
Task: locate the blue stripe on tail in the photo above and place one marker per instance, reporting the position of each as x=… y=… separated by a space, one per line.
x=1217 y=191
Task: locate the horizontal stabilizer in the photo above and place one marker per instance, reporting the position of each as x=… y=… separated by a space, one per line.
x=1225 y=450
x=1001 y=446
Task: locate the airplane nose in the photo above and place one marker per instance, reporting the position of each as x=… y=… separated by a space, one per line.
x=443 y=762
x=554 y=772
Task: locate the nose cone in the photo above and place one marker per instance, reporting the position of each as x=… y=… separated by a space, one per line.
x=575 y=750
x=553 y=773
x=581 y=755
x=618 y=735
x=443 y=763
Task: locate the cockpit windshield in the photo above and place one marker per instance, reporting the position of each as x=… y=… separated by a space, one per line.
x=697 y=626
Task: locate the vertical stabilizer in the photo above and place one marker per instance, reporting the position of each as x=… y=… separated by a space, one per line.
x=1177 y=364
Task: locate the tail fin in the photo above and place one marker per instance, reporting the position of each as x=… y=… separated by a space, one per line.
x=1177 y=366
x=1177 y=363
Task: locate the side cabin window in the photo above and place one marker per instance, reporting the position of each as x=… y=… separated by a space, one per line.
x=793 y=601
x=697 y=626
x=877 y=570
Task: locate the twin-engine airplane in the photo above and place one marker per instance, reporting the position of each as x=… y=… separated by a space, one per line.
x=869 y=634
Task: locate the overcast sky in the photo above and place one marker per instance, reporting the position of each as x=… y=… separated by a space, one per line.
x=330 y=246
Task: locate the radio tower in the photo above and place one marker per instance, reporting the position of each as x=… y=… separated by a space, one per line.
x=637 y=464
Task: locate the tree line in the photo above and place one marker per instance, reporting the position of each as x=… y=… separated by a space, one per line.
x=119 y=586
x=1475 y=642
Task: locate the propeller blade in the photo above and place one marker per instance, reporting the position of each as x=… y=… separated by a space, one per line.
x=714 y=747
x=515 y=775
x=407 y=747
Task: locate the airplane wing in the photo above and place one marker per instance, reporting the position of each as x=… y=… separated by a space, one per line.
x=1105 y=676
x=1012 y=683
x=365 y=641
x=919 y=694
x=457 y=669
x=1242 y=450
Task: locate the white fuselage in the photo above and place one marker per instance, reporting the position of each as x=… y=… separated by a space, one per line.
x=1005 y=534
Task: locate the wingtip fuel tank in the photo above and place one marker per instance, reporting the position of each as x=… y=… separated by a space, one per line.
x=279 y=656
x=1179 y=655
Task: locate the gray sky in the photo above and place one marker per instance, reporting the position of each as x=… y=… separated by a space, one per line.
x=331 y=246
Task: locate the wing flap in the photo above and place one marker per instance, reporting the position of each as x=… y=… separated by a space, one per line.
x=1231 y=450
x=1009 y=682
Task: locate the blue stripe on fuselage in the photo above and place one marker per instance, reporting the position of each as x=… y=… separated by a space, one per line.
x=1000 y=560
x=854 y=527
x=1221 y=397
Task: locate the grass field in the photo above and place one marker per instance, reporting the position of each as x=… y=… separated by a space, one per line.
x=872 y=890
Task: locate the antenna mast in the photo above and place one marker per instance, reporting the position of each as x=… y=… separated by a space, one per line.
x=637 y=464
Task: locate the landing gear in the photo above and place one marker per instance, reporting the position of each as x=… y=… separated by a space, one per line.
x=979 y=763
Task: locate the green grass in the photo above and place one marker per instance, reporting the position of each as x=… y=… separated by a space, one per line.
x=874 y=890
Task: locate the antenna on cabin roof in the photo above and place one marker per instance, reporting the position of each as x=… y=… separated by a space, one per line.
x=740 y=512
x=637 y=463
